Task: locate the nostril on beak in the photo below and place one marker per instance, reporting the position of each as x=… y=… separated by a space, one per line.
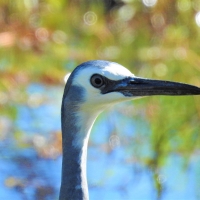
x=133 y=81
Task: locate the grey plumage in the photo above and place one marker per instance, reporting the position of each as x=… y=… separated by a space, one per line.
x=71 y=170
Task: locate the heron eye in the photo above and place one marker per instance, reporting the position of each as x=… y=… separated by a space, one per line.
x=97 y=81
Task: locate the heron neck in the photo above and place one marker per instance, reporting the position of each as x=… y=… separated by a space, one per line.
x=75 y=134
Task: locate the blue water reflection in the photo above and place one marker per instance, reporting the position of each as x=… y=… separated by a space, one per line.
x=115 y=168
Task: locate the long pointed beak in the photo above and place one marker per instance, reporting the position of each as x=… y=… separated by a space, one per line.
x=136 y=86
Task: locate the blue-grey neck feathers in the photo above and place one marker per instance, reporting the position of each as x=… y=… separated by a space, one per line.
x=71 y=186
x=74 y=183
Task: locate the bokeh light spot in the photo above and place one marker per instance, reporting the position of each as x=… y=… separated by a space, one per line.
x=34 y=20
x=110 y=52
x=39 y=140
x=35 y=100
x=126 y=12
x=114 y=141
x=183 y=5
x=42 y=34
x=180 y=53
x=153 y=53
x=118 y=26
x=157 y=20
x=161 y=178
x=90 y=18
x=197 y=19
x=149 y=3
x=59 y=37
x=160 y=69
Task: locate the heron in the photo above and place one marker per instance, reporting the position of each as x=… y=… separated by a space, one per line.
x=92 y=87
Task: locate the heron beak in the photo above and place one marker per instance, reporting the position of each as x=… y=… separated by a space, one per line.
x=136 y=86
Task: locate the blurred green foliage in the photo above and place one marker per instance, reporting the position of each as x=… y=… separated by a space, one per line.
x=41 y=40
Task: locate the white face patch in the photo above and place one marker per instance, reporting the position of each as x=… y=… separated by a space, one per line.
x=94 y=99
x=112 y=71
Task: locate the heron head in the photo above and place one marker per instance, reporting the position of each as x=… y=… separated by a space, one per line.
x=97 y=81
x=102 y=83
